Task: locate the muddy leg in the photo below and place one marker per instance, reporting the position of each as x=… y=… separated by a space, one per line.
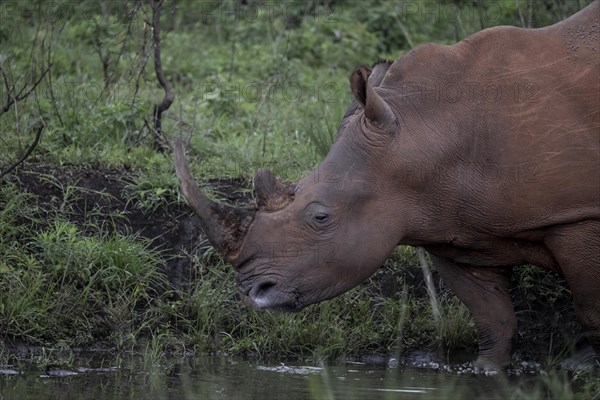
x=485 y=291
x=577 y=250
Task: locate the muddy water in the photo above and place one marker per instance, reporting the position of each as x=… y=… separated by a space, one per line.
x=229 y=378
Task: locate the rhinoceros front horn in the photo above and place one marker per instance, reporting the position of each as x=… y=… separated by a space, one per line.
x=271 y=195
x=224 y=226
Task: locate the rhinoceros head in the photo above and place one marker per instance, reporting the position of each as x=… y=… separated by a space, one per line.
x=312 y=241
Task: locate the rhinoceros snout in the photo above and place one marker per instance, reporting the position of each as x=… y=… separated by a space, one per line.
x=260 y=292
x=267 y=294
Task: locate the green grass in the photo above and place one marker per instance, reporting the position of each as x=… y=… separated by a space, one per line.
x=60 y=285
x=360 y=321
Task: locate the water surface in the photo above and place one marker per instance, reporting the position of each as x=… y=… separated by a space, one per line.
x=233 y=378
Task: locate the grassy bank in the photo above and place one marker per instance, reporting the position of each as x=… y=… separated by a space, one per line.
x=75 y=275
x=97 y=248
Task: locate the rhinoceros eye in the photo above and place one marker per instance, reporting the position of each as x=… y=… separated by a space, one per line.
x=321 y=218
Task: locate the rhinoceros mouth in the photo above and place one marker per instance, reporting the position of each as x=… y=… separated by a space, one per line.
x=266 y=295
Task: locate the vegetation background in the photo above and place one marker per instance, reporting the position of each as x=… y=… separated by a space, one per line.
x=98 y=249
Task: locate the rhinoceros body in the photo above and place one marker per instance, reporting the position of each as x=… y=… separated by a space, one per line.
x=486 y=153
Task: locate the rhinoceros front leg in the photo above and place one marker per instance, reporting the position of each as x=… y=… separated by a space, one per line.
x=576 y=247
x=485 y=291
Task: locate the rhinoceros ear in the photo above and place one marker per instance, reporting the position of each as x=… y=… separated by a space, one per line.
x=377 y=110
x=271 y=194
x=358 y=84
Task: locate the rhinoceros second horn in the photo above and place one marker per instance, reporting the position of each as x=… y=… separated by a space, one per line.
x=271 y=194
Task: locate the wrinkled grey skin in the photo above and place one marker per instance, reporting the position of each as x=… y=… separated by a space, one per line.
x=486 y=153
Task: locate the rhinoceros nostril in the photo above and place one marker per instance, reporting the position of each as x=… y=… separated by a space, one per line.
x=262 y=288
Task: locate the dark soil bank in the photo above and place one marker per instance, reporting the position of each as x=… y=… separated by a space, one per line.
x=172 y=228
x=544 y=308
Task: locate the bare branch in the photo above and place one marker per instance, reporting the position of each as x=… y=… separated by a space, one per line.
x=130 y=18
x=481 y=14
x=38 y=134
x=14 y=95
x=521 y=18
x=50 y=85
x=6 y=84
x=104 y=58
x=10 y=100
x=160 y=142
x=142 y=64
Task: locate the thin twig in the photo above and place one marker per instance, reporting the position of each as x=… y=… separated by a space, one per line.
x=142 y=65
x=232 y=57
x=405 y=33
x=38 y=134
x=6 y=81
x=50 y=87
x=10 y=100
x=481 y=14
x=518 y=5
x=130 y=17
x=12 y=94
x=104 y=58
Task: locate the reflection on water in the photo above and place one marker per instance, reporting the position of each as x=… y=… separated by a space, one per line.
x=229 y=378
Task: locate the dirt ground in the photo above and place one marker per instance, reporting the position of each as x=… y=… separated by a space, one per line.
x=79 y=192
